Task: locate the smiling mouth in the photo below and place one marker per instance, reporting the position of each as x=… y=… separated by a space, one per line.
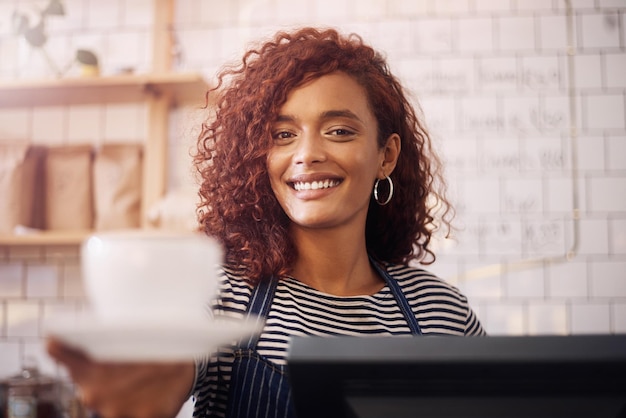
x=315 y=185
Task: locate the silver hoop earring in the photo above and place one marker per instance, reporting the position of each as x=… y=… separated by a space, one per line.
x=389 y=196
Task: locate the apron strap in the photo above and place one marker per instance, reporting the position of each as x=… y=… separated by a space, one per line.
x=397 y=292
x=258 y=308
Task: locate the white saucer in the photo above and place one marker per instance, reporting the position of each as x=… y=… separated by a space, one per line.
x=143 y=342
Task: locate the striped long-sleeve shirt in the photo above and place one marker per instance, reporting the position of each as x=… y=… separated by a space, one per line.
x=298 y=310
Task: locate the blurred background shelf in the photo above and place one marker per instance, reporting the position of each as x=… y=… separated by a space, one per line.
x=160 y=90
x=181 y=88
x=45 y=238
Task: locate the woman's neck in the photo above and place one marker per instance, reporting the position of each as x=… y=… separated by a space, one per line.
x=335 y=262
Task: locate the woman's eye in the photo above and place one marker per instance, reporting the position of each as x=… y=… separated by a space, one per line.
x=282 y=135
x=343 y=133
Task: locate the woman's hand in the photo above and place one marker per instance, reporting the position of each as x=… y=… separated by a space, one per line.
x=140 y=390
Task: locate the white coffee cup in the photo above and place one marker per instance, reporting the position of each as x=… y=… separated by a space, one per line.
x=150 y=276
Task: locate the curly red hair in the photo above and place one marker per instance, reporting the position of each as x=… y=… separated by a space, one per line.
x=237 y=204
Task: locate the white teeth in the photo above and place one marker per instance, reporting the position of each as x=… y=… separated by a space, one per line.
x=315 y=185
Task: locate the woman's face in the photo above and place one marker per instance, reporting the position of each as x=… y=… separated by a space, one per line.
x=325 y=156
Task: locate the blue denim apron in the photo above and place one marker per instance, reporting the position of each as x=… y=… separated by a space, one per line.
x=260 y=388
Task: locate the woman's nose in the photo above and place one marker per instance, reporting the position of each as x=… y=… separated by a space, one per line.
x=310 y=149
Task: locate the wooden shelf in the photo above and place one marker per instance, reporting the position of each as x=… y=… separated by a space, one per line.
x=45 y=238
x=182 y=87
x=161 y=90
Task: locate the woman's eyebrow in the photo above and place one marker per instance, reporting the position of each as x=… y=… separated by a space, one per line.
x=343 y=113
x=329 y=114
x=285 y=118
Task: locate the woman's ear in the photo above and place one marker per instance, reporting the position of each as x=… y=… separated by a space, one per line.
x=390 y=154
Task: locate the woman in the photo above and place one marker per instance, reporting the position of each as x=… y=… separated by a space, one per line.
x=321 y=184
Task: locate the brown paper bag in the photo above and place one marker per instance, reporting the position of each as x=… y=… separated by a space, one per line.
x=69 y=203
x=117 y=186
x=21 y=197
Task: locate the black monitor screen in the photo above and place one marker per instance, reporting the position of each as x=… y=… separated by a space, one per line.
x=434 y=377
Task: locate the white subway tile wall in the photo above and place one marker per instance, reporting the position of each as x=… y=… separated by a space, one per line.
x=492 y=78
x=84 y=124
x=48 y=125
x=507 y=318
x=15 y=123
x=618 y=314
x=547 y=318
x=591 y=318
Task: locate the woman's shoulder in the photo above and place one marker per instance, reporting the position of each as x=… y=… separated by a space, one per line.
x=440 y=305
x=407 y=272
x=420 y=281
x=233 y=292
x=233 y=277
